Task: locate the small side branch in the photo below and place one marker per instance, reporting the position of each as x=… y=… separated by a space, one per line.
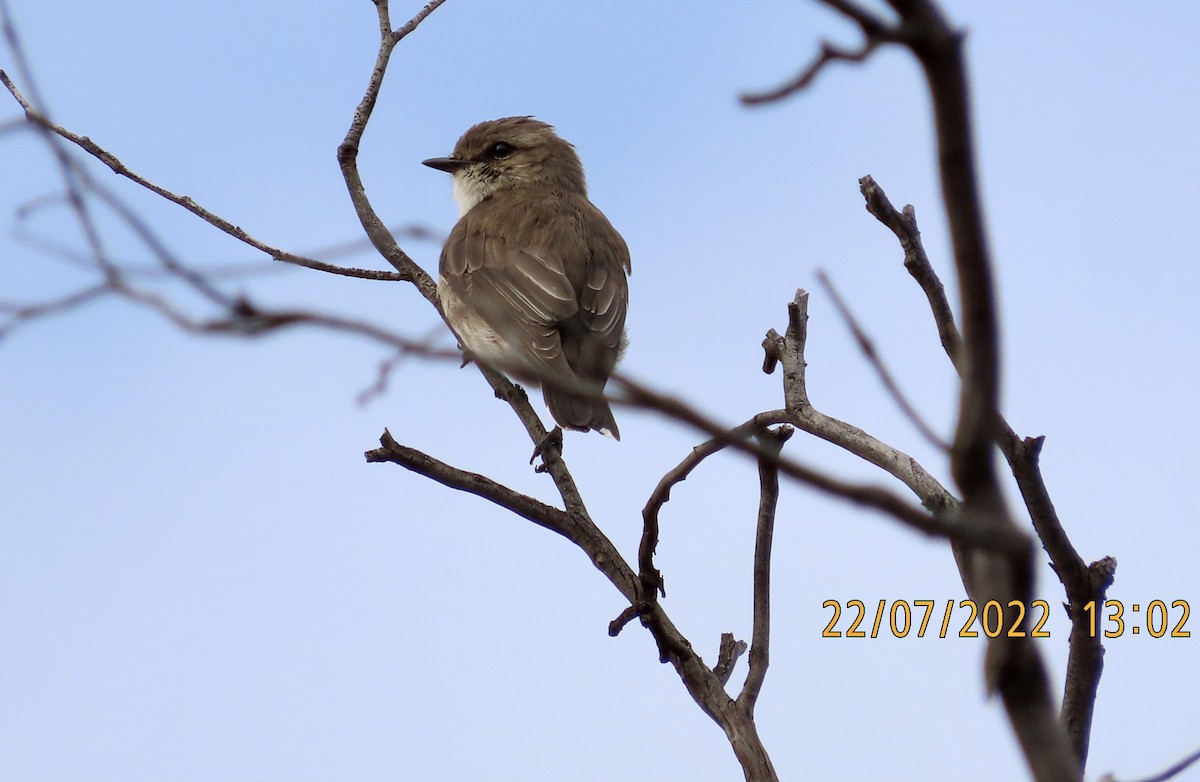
x=727 y=657
x=760 y=642
x=522 y=505
x=650 y=576
x=904 y=226
x=875 y=30
x=829 y=53
x=1170 y=773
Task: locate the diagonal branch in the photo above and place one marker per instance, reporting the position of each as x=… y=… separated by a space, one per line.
x=1171 y=772
x=788 y=351
x=916 y=261
x=522 y=505
x=34 y=116
x=867 y=346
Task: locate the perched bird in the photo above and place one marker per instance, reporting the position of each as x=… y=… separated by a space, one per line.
x=532 y=278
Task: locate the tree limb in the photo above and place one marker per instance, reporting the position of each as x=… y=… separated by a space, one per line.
x=760 y=643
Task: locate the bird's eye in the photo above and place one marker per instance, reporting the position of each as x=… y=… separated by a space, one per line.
x=500 y=149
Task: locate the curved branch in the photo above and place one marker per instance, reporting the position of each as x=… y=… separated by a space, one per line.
x=347 y=155
x=875 y=30
x=768 y=501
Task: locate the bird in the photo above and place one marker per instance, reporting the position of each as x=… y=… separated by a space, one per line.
x=533 y=277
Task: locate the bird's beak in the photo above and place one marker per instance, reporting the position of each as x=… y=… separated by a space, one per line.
x=447 y=164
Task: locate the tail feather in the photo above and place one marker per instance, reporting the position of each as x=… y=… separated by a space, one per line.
x=581 y=413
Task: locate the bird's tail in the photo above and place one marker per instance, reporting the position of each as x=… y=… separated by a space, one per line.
x=581 y=413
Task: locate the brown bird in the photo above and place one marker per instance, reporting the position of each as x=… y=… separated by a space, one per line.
x=532 y=278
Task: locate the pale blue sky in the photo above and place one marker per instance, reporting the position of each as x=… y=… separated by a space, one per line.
x=201 y=579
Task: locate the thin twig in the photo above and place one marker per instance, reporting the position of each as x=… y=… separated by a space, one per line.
x=347 y=156
x=1173 y=771
x=875 y=30
x=789 y=350
x=20 y=314
x=829 y=53
x=867 y=346
x=34 y=116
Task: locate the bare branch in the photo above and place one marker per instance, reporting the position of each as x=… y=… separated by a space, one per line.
x=411 y=25
x=760 y=643
x=829 y=53
x=347 y=156
x=522 y=505
x=649 y=574
x=1082 y=583
x=727 y=657
x=904 y=226
x=23 y=313
x=943 y=524
x=867 y=346
x=789 y=350
x=119 y=168
x=385 y=369
x=1173 y=771
x=876 y=31
x=1013 y=666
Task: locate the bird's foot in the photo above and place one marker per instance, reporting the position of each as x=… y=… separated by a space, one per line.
x=550 y=448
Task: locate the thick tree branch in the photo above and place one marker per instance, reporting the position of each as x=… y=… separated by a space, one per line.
x=1013 y=666
x=1082 y=583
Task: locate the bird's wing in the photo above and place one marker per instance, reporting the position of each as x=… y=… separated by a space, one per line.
x=604 y=295
x=521 y=293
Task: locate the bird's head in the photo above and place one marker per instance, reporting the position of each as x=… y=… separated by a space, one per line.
x=510 y=153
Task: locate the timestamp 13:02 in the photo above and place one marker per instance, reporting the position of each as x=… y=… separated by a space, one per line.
x=905 y=618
